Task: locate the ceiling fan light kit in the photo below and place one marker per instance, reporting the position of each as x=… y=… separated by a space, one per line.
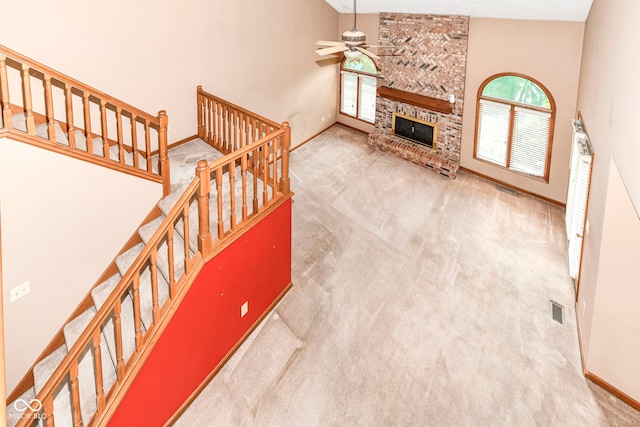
x=353 y=43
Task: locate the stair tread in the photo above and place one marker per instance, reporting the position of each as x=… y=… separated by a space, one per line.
x=146 y=233
x=14 y=413
x=99 y=295
x=43 y=370
x=81 y=143
x=43 y=131
x=86 y=366
x=124 y=261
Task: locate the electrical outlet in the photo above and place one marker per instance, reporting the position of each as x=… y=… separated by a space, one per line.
x=244 y=309
x=584 y=307
x=586 y=226
x=323 y=118
x=20 y=291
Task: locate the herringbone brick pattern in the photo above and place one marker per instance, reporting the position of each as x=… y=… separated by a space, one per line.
x=428 y=57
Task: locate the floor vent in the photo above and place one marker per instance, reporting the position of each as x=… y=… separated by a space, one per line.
x=557 y=312
x=507 y=190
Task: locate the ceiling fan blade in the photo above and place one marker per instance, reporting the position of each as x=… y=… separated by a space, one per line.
x=330 y=50
x=366 y=52
x=328 y=43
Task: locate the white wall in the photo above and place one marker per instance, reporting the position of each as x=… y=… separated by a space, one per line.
x=609 y=293
x=63 y=221
x=549 y=52
x=153 y=54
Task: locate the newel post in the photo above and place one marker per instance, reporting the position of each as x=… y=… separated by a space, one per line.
x=285 y=184
x=200 y=105
x=163 y=157
x=205 y=242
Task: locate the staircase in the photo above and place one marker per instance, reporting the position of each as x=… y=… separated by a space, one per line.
x=243 y=177
x=184 y=161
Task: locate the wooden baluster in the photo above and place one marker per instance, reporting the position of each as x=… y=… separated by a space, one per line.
x=225 y=133
x=187 y=242
x=230 y=130
x=219 y=200
x=200 y=106
x=75 y=393
x=4 y=92
x=243 y=168
x=172 y=279
x=219 y=137
x=285 y=184
x=117 y=324
x=154 y=286
x=236 y=127
x=223 y=129
x=28 y=101
x=256 y=165
x=232 y=190
x=265 y=174
x=48 y=102
x=87 y=122
x=163 y=157
x=205 y=243
x=48 y=411
x=147 y=145
x=134 y=140
x=211 y=136
x=68 y=101
x=97 y=363
x=103 y=122
x=274 y=164
x=119 y=130
x=247 y=130
x=136 y=310
x=256 y=130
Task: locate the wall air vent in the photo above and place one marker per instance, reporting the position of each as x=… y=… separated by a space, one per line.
x=557 y=312
x=507 y=190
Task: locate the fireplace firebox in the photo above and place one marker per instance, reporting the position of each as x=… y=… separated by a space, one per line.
x=416 y=130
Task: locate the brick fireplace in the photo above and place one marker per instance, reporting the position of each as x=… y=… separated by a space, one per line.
x=417 y=78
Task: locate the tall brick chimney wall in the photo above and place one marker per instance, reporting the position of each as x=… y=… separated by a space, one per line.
x=429 y=58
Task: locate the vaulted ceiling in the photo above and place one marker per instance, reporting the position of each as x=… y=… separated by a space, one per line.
x=546 y=10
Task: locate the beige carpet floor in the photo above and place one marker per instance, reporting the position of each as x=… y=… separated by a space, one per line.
x=417 y=300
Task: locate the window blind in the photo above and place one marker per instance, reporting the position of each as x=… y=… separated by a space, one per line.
x=349 y=93
x=530 y=141
x=367 y=104
x=493 y=132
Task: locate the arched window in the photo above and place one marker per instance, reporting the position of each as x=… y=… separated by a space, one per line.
x=514 y=126
x=358 y=88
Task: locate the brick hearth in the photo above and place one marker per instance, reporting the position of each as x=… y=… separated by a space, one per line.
x=429 y=60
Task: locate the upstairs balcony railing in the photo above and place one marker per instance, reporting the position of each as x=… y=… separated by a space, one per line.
x=61 y=114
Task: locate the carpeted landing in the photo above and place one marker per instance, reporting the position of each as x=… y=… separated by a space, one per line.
x=417 y=301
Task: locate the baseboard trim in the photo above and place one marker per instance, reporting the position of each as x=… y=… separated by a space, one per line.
x=599 y=381
x=309 y=139
x=176 y=144
x=611 y=389
x=224 y=360
x=182 y=141
x=520 y=190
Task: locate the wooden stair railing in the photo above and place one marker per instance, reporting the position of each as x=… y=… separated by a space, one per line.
x=228 y=127
x=130 y=140
x=264 y=191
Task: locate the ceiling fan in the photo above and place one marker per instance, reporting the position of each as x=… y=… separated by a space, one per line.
x=353 y=43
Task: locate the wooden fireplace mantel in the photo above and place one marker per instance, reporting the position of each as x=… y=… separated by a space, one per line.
x=435 y=104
